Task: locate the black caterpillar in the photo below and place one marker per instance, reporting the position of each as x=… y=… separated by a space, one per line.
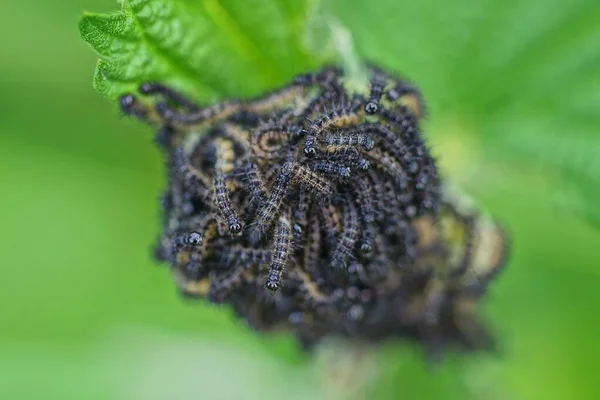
x=320 y=210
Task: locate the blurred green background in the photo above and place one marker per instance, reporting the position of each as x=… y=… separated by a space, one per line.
x=86 y=314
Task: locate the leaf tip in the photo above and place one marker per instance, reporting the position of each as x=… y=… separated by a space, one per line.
x=84 y=24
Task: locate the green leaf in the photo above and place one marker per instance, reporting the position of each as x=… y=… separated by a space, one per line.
x=524 y=76
x=207 y=48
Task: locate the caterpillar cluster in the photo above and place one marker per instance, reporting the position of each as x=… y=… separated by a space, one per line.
x=319 y=210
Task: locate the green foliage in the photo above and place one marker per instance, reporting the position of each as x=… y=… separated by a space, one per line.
x=523 y=75
x=208 y=49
